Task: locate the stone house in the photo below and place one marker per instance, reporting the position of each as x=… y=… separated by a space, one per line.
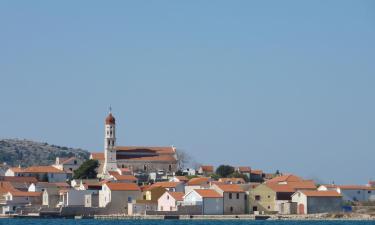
x=309 y=202
x=234 y=198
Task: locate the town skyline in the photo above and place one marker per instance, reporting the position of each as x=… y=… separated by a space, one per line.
x=286 y=88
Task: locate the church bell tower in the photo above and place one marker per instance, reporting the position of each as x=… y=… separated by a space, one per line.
x=110 y=163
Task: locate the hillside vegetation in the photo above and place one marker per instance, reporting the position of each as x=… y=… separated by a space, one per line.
x=16 y=152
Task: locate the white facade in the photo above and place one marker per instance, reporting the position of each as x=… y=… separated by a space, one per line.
x=76 y=197
x=167 y=202
x=354 y=193
x=210 y=206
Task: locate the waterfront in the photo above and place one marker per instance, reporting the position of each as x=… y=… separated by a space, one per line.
x=174 y=222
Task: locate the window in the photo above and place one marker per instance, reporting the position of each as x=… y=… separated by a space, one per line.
x=257 y=197
x=245 y=196
x=144 y=167
x=268 y=196
x=230 y=195
x=129 y=199
x=255 y=208
x=231 y=209
x=75 y=162
x=168 y=197
x=170 y=168
x=269 y=207
x=122 y=166
x=358 y=192
x=369 y=192
x=238 y=196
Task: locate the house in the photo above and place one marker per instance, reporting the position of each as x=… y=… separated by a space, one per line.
x=197 y=183
x=352 y=193
x=275 y=197
x=309 y=202
x=72 y=197
x=206 y=170
x=92 y=199
x=234 y=198
x=18 y=199
x=179 y=179
x=41 y=186
x=232 y=180
x=209 y=201
x=170 y=201
x=189 y=172
x=171 y=186
x=116 y=177
x=256 y=176
x=245 y=170
x=117 y=195
x=68 y=164
x=153 y=193
x=141 y=207
x=51 y=197
x=41 y=173
x=79 y=184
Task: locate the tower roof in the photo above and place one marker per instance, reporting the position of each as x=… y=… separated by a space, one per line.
x=110 y=119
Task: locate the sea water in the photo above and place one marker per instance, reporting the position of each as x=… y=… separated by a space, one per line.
x=175 y=222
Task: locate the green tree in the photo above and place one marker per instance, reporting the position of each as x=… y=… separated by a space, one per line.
x=224 y=170
x=88 y=170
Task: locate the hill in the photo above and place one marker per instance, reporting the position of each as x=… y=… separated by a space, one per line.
x=16 y=152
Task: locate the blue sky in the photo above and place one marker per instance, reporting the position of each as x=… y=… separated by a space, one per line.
x=285 y=85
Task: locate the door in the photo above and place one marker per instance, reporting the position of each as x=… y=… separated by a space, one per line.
x=301 y=209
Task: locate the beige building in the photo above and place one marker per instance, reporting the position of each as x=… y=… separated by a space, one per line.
x=234 y=198
x=116 y=196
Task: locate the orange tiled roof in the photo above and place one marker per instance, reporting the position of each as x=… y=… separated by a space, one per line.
x=97 y=156
x=66 y=160
x=285 y=178
x=355 y=187
x=208 y=193
x=166 y=184
x=321 y=193
x=124 y=177
x=160 y=150
x=182 y=178
x=19 y=179
x=42 y=169
x=6 y=186
x=16 y=169
x=178 y=196
x=230 y=187
x=244 y=169
x=123 y=187
x=207 y=168
x=169 y=158
x=25 y=194
x=292 y=186
x=259 y=172
x=198 y=181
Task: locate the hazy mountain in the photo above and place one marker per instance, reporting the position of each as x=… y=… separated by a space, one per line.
x=16 y=152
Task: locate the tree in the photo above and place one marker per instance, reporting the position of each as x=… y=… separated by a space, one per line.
x=224 y=170
x=88 y=170
x=183 y=159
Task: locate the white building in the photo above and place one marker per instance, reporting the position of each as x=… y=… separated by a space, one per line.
x=209 y=200
x=309 y=202
x=170 y=201
x=354 y=193
x=68 y=164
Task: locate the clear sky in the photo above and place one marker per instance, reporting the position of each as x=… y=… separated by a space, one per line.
x=286 y=85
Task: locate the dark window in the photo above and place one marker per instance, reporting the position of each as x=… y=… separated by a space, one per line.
x=359 y=192
x=238 y=195
x=231 y=209
x=257 y=197
x=75 y=162
x=170 y=167
x=255 y=208
x=369 y=192
x=230 y=195
x=269 y=196
x=269 y=207
x=144 y=167
x=245 y=196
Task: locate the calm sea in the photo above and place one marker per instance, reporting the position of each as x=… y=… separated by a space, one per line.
x=172 y=222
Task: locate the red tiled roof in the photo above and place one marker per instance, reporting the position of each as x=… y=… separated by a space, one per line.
x=19 y=179
x=208 y=193
x=285 y=178
x=123 y=187
x=97 y=156
x=124 y=177
x=258 y=172
x=321 y=193
x=25 y=194
x=166 y=184
x=355 y=187
x=182 y=178
x=66 y=160
x=207 y=168
x=6 y=186
x=110 y=119
x=230 y=187
x=198 y=181
x=178 y=196
x=16 y=169
x=244 y=169
x=160 y=150
x=42 y=169
x=292 y=186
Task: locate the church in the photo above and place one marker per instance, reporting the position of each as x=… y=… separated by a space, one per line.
x=136 y=159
